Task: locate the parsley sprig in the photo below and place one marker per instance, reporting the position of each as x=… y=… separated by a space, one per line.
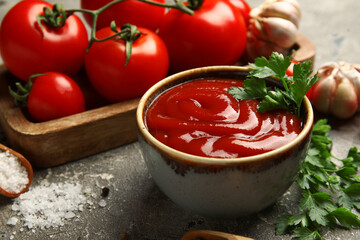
x=330 y=192
x=294 y=87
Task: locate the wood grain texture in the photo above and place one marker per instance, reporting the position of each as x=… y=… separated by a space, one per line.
x=304 y=49
x=211 y=235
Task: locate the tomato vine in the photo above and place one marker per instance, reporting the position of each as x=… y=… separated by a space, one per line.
x=178 y=4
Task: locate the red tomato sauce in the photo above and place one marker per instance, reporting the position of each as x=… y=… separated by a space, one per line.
x=201 y=118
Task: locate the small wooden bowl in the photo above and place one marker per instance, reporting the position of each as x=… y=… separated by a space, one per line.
x=303 y=50
x=24 y=162
x=211 y=235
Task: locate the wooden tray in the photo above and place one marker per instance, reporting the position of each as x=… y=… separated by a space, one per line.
x=304 y=49
x=103 y=126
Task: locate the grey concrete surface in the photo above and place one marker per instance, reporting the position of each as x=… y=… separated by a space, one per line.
x=137 y=208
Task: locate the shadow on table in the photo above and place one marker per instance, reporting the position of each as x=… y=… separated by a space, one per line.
x=158 y=218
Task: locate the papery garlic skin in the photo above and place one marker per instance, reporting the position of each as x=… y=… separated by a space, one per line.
x=285 y=9
x=275 y=23
x=338 y=90
x=276 y=30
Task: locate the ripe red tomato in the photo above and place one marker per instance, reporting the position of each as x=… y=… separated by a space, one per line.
x=131 y=11
x=25 y=50
x=54 y=95
x=214 y=35
x=244 y=9
x=106 y=70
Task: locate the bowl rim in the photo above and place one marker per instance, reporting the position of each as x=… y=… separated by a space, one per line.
x=211 y=161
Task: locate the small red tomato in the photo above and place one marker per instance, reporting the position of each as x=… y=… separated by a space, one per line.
x=134 y=12
x=106 y=70
x=244 y=9
x=54 y=95
x=290 y=69
x=26 y=50
x=214 y=35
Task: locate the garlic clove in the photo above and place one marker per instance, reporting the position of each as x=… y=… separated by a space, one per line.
x=338 y=90
x=282 y=10
x=327 y=69
x=294 y=3
x=344 y=102
x=352 y=72
x=255 y=12
x=322 y=94
x=276 y=30
x=273 y=24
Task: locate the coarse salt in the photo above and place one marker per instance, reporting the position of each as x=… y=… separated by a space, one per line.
x=12 y=221
x=50 y=205
x=13 y=175
x=102 y=203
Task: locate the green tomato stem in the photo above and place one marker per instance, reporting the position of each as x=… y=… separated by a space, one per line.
x=57 y=16
x=95 y=13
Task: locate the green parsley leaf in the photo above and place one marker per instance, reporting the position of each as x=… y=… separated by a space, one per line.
x=299 y=219
x=354 y=156
x=274 y=100
x=302 y=82
x=239 y=93
x=253 y=88
x=345 y=217
x=306 y=234
x=330 y=192
x=282 y=224
x=312 y=203
x=321 y=127
x=353 y=191
x=276 y=66
x=294 y=88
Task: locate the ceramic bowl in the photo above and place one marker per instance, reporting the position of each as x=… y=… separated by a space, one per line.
x=221 y=188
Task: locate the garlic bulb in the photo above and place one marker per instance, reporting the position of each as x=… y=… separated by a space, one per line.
x=338 y=90
x=273 y=27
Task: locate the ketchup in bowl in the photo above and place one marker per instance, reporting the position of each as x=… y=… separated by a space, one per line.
x=201 y=118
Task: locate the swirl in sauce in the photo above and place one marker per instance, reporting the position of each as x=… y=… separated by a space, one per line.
x=201 y=118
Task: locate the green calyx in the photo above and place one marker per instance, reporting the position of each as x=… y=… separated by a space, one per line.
x=22 y=91
x=195 y=4
x=55 y=17
x=129 y=33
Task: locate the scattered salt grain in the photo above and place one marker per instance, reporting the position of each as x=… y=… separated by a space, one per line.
x=69 y=215
x=49 y=205
x=102 y=203
x=13 y=176
x=12 y=221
